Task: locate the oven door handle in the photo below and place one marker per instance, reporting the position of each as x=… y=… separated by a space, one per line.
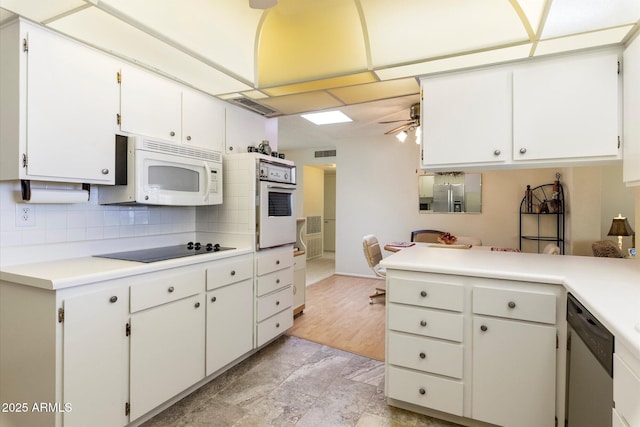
x=280 y=187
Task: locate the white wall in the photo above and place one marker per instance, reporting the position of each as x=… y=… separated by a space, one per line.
x=377 y=192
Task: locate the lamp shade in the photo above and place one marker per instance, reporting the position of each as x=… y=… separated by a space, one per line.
x=620 y=227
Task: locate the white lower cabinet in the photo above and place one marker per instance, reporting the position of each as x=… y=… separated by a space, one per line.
x=626 y=387
x=167 y=352
x=478 y=349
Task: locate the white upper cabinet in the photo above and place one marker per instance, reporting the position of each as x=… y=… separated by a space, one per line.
x=566 y=109
x=160 y=108
x=631 y=132
x=202 y=120
x=59 y=108
x=466 y=119
x=243 y=128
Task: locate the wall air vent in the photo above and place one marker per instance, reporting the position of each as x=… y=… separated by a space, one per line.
x=325 y=153
x=252 y=105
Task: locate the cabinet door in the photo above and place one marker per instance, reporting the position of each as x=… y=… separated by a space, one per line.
x=167 y=352
x=567 y=109
x=202 y=120
x=229 y=324
x=72 y=104
x=95 y=358
x=149 y=105
x=631 y=135
x=466 y=118
x=514 y=368
x=243 y=128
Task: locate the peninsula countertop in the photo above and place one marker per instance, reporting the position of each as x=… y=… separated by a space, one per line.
x=608 y=287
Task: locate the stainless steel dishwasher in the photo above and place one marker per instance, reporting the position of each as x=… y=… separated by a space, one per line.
x=590 y=369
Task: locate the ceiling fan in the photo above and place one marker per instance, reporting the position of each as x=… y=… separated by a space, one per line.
x=412 y=123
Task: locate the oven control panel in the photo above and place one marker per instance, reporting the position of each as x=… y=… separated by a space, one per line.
x=276 y=173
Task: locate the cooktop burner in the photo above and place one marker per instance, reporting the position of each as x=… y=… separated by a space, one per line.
x=166 y=252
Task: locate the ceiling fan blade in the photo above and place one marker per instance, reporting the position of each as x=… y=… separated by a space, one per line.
x=400 y=128
x=393 y=121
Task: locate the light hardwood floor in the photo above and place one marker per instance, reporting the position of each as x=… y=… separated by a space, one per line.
x=338 y=314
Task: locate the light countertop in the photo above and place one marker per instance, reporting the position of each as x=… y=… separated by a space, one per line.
x=608 y=287
x=60 y=274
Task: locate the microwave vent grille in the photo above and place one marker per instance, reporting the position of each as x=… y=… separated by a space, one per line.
x=182 y=150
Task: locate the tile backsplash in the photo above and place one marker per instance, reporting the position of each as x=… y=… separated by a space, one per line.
x=66 y=223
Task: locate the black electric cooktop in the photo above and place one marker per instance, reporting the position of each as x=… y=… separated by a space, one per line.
x=166 y=252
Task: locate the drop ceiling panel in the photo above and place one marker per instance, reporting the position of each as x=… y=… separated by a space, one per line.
x=41 y=10
x=310 y=101
x=375 y=91
x=315 y=85
x=578 y=16
x=457 y=62
x=108 y=33
x=223 y=31
x=582 y=41
x=420 y=29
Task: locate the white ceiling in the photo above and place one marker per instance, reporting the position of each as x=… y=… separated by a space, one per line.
x=307 y=55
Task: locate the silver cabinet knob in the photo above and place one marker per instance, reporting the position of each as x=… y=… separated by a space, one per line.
x=113 y=299
x=105 y=171
x=233 y=272
x=483 y=328
x=422 y=355
x=172 y=133
x=277 y=262
x=277 y=281
x=188 y=138
x=497 y=152
x=277 y=302
x=197 y=305
x=277 y=325
x=214 y=299
x=423 y=323
x=423 y=294
x=512 y=304
x=523 y=150
x=171 y=289
x=422 y=390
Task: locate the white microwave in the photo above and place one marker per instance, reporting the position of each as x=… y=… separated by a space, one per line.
x=153 y=172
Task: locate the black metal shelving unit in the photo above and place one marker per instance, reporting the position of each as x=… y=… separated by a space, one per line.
x=544 y=211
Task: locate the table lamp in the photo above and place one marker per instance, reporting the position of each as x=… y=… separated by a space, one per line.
x=620 y=227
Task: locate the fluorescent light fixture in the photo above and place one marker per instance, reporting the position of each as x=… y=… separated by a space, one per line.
x=327 y=117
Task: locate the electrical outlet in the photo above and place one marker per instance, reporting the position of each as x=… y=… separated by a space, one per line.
x=25 y=215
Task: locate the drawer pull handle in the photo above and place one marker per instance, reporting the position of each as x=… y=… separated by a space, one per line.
x=172 y=133
x=422 y=390
x=170 y=289
x=496 y=152
x=277 y=302
x=512 y=304
x=423 y=294
x=423 y=323
x=523 y=150
x=277 y=281
x=483 y=328
x=277 y=262
x=214 y=299
x=422 y=355
x=197 y=305
x=233 y=272
x=113 y=299
x=277 y=325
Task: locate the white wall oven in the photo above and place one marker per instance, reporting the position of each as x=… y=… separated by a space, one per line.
x=275 y=210
x=164 y=173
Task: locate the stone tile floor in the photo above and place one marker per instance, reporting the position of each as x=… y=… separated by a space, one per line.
x=294 y=382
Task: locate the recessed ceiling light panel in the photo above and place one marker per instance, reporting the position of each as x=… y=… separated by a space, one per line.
x=327 y=117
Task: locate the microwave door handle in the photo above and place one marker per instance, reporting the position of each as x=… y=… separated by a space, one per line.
x=207 y=180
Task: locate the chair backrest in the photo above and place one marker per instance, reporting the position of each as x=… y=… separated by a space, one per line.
x=372 y=253
x=551 y=249
x=426 y=236
x=606 y=248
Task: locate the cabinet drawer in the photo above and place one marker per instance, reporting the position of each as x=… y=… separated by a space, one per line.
x=273 y=281
x=425 y=354
x=427 y=294
x=269 y=260
x=269 y=305
x=273 y=326
x=422 y=321
x=161 y=288
x=514 y=304
x=225 y=272
x=425 y=390
x=626 y=391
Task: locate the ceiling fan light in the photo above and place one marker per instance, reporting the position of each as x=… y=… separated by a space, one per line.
x=262 y=4
x=418 y=135
x=401 y=136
